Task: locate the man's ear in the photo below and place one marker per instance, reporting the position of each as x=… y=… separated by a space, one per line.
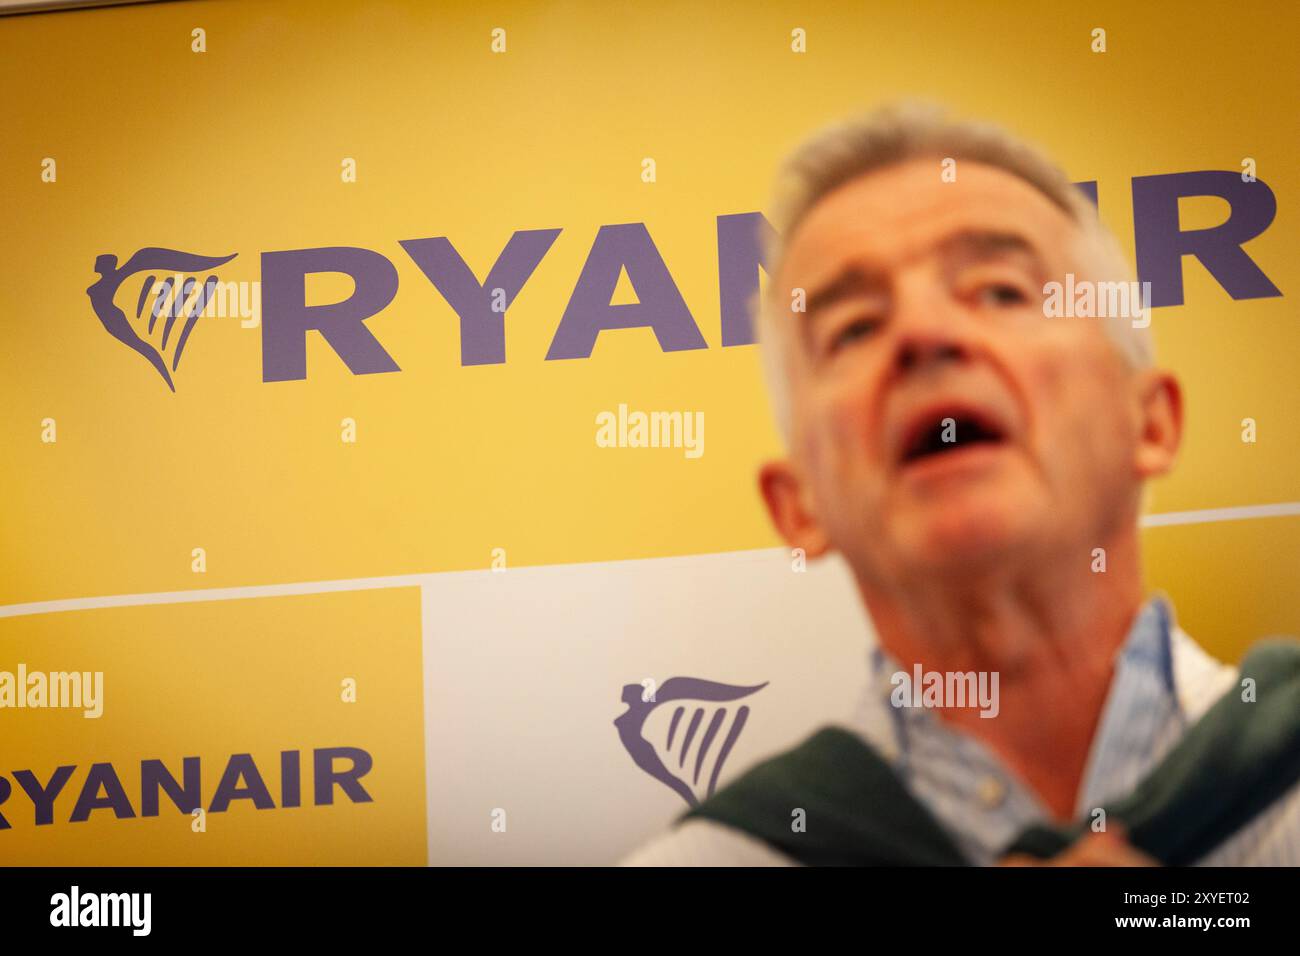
x=783 y=492
x=1160 y=422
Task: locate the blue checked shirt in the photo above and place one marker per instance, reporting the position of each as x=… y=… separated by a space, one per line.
x=1163 y=682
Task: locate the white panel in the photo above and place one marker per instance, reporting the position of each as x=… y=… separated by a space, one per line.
x=524 y=671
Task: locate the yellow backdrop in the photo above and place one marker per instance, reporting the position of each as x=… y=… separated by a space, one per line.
x=240 y=148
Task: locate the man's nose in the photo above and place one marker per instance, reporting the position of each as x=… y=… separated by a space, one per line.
x=931 y=330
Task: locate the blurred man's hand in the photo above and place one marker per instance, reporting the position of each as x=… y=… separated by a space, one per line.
x=1109 y=848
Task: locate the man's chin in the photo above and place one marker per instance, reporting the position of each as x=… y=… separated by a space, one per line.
x=962 y=538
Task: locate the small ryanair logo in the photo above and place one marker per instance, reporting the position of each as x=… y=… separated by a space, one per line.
x=668 y=763
x=171 y=296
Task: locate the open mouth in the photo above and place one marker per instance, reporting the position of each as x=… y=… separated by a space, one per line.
x=948 y=432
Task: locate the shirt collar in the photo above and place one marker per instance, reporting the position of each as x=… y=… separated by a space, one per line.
x=1148 y=647
x=1149 y=643
x=949 y=769
x=1143 y=715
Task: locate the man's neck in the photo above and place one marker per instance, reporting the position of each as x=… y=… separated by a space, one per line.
x=1050 y=630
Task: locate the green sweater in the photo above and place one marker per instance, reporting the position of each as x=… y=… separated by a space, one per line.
x=1228 y=767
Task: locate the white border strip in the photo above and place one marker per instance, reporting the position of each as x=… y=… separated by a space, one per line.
x=1221 y=514
x=1205 y=516
x=213 y=594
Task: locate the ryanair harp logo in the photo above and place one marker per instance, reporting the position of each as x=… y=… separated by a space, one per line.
x=173 y=295
x=697 y=725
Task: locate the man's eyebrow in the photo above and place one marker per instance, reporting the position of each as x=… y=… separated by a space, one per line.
x=972 y=244
x=853 y=279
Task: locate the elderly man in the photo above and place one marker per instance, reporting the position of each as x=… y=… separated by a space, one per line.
x=979 y=463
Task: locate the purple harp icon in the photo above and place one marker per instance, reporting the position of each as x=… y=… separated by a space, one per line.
x=692 y=699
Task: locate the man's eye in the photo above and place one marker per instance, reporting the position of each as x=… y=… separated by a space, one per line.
x=853 y=331
x=1001 y=293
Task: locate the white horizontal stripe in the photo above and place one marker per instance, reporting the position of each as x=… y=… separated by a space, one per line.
x=1221 y=514
x=416 y=580
x=212 y=594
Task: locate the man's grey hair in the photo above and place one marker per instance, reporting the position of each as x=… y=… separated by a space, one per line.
x=895 y=134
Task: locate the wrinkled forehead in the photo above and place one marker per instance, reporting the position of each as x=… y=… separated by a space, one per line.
x=888 y=218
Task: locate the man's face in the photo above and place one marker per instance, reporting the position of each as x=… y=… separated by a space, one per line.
x=940 y=420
